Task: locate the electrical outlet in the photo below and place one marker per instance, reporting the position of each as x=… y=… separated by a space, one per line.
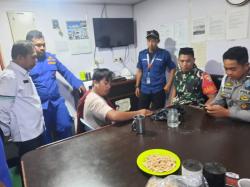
x=118 y=60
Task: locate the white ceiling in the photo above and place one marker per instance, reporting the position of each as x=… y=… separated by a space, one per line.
x=124 y=2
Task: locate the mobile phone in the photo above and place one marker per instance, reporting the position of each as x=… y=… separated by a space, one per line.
x=203 y=107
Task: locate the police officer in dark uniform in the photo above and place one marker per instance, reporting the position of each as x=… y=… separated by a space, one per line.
x=151 y=85
x=233 y=99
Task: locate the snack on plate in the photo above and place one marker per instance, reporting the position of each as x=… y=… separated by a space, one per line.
x=159 y=163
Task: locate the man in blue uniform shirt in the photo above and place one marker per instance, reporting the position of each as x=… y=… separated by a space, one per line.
x=57 y=119
x=151 y=85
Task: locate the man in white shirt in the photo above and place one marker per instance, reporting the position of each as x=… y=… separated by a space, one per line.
x=21 y=115
x=97 y=111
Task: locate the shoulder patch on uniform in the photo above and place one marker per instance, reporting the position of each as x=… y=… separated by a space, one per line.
x=51 y=58
x=228 y=84
x=244 y=98
x=244 y=106
x=51 y=62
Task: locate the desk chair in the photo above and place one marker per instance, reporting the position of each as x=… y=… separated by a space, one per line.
x=86 y=126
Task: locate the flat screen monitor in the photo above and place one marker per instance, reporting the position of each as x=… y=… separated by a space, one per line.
x=113 y=32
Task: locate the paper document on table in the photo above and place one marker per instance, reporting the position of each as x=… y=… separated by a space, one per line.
x=237 y=22
x=123 y=104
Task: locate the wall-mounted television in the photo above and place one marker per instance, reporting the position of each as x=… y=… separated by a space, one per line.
x=113 y=32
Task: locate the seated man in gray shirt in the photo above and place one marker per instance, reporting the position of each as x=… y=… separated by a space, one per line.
x=96 y=111
x=233 y=99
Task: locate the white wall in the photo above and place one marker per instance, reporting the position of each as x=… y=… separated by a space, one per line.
x=148 y=15
x=45 y=11
x=151 y=13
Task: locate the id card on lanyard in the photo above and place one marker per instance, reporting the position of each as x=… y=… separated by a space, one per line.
x=150 y=64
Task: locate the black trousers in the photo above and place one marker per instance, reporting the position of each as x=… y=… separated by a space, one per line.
x=26 y=146
x=1 y=135
x=156 y=99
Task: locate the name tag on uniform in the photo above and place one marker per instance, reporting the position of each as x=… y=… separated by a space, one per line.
x=51 y=62
x=245 y=92
x=25 y=81
x=227 y=92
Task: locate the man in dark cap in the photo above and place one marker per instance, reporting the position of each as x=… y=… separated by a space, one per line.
x=151 y=82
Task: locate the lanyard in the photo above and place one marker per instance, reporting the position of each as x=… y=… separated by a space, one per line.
x=150 y=63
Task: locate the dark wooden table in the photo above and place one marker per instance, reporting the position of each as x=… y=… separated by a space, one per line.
x=107 y=157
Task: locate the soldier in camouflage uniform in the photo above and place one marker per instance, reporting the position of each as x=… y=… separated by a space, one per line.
x=191 y=85
x=233 y=99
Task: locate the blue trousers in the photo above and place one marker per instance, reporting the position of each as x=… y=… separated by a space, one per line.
x=58 y=123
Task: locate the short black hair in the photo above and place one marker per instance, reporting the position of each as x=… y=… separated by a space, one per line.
x=102 y=73
x=34 y=34
x=237 y=53
x=186 y=51
x=22 y=48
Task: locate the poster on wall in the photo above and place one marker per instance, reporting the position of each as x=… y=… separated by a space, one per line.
x=181 y=36
x=200 y=51
x=217 y=27
x=199 y=29
x=20 y=24
x=78 y=37
x=237 y=22
x=60 y=40
x=174 y=36
x=166 y=31
x=181 y=32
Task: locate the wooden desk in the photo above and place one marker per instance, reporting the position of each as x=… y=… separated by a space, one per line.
x=107 y=157
x=124 y=89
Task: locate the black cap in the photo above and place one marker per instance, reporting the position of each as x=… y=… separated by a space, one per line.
x=153 y=34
